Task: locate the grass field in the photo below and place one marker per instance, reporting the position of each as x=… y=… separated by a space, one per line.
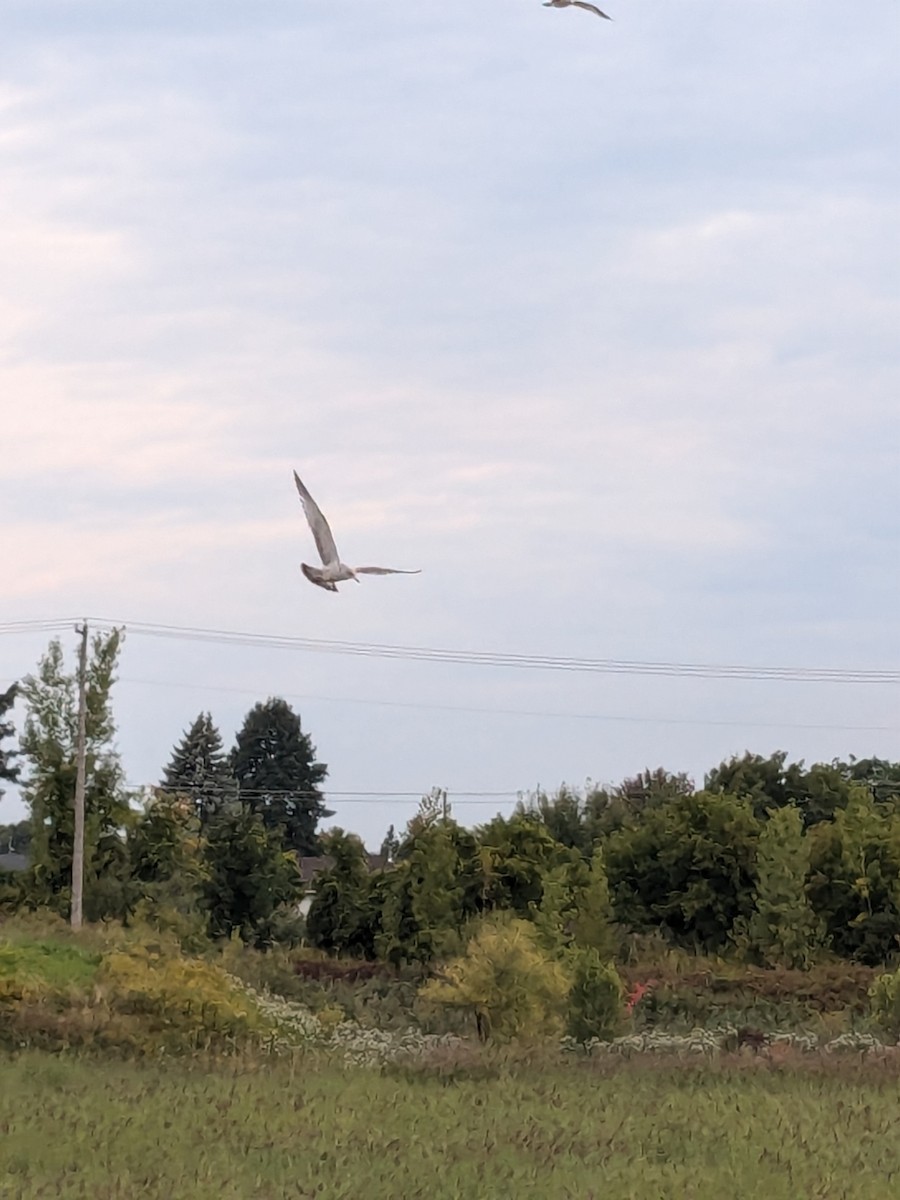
x=647 y=1130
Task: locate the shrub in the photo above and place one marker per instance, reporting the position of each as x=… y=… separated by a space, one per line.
x=505 y=981
x=184 y=1002
x=885 y=997
x=596 y=998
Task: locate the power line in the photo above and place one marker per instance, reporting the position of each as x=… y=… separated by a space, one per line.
x=497 y=659
x=367 y=797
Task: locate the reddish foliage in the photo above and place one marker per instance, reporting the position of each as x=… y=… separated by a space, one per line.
x=331 y=970
x=637 y=993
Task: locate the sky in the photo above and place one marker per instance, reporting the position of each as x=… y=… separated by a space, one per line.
x=595 y=322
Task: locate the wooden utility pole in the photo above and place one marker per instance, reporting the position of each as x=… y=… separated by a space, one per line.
x=80 y=764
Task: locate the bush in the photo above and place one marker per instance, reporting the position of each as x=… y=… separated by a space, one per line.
x=595 y=999
x=185 y=1002
x=885 y=997
x=505 y=981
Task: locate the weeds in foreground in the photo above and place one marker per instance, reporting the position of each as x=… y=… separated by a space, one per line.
x=745 y=1129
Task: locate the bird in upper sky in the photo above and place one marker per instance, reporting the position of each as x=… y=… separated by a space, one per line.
x=332 y=571
x=576 y=4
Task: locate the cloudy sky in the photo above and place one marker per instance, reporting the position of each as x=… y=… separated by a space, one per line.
x=595 y=322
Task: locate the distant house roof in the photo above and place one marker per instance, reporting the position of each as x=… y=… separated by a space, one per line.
x=14 y=862
x=312 y=864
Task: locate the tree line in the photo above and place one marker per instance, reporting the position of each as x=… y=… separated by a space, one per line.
x=772 y=860
x=218 y=837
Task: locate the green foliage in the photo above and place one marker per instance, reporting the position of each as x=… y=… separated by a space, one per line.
x=855 y=878
x=885 y=997
x=773 y=783
x=248 y=875
x=200 y=771
x=505 y=980
x=516 y=853
x=562 y=815
x=184 y=1002
x=430 y=892
x=595 y=1005
x=687 y=867
x=575 y=909
x=784 y=930
x=46 y=966
x=48 y=747
x=162 y=841
x=15 y=838
x=344 y=917
x=274 y=764
x=881 y=776
x=9 y=771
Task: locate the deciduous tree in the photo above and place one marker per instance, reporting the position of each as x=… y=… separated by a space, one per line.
x=248 y=875
x=48 y=748
x=687 y=867
x=505 y=979
x=9 y=771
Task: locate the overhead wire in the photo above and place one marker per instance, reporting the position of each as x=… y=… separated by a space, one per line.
x=501 y=659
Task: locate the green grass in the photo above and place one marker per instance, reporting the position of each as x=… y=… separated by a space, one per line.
x=54 y=964
x=74 y=1128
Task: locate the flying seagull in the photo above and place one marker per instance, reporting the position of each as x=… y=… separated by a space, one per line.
x=576 y=4
x=332 y=571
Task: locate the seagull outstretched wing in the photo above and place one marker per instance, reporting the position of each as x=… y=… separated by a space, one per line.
x=385 y=571
x=319 y=526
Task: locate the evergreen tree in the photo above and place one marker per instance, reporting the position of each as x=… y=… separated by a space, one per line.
x=8 y=771
x=248 y=875
x=344 y=917
x=593 y=927
x=390 y=846
x=575 y=911
x=431 y=891
x=199 y=770
x=48 y=747
x=784 y=930
x=274 y=764
x=596 y=997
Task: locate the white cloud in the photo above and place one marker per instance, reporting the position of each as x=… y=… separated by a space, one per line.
x=598 y=332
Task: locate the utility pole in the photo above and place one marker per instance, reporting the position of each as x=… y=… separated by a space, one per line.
x=80 y=755
x=445 y=809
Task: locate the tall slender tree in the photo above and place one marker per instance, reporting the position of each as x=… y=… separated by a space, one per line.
x=784 y=930
x=199 y=770
x=48 y=748
x=274 y=763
